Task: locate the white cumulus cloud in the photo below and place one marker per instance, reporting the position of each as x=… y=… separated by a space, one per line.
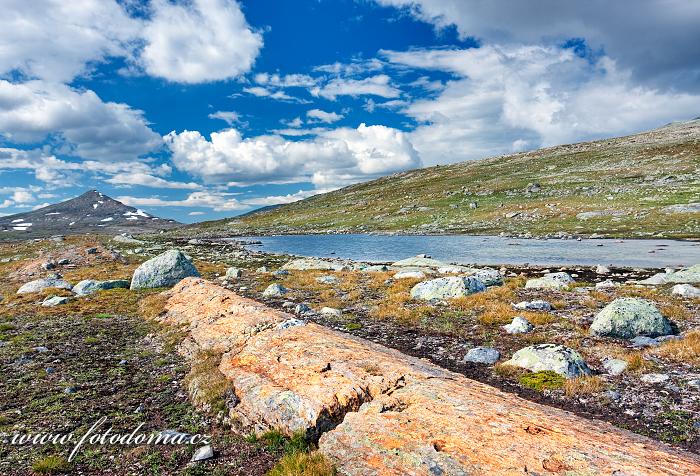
x=334 y=157
x=317 y=115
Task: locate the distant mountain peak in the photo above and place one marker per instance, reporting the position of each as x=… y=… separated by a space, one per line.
x=91 y=212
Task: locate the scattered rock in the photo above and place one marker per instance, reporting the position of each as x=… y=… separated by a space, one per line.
x=644 y=341
x=453 y=269
x=54 y=301
x=376 y=268
x=70 y=390
x=127 y=239
x=519 y=325
x=63 y=261
x=301 y=308
x=290 y=323
x=48 y=265
x=614 y=366
x=607 y=284
x=234 y=273
x=280 y=273
x=686 y=290
x=409 y=274
x=331 y=312
x=557 y=358
x=202 y=454
x=164 y=270
x=627 y=318
x=488 y=276
x=600 y=269
x=275 y=290
x=482 y=355
x=41 y=284
x=91 y=251
x=537 y=305
x=654 y=378
x=447 y=288
x=328 y=280
x=89 y=286
x=262 y=269
x=551 y=281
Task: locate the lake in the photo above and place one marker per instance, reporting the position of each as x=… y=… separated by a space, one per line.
x=486 y=250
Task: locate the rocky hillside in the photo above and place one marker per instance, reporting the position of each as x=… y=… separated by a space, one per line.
x=641 y=185
x=91 y=212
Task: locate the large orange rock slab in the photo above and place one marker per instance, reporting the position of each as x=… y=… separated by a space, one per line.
x=307 y=377
x=218 y=320
x=379 y=412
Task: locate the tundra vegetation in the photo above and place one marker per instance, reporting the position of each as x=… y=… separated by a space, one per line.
x=105 y=354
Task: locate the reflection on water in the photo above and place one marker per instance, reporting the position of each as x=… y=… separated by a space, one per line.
x=467 y=249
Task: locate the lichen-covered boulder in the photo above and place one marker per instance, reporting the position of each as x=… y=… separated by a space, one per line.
x=52 y=301
x=275 y=290
x=658 y=278
x=165 y=270
x=519 y=325
x=234 y=273
x=630 y=317
x=41 y=284
x=447 y=288
x=685 y=290
x=551 y=281
x=328 y=279
x=537 y=305
x=688 y=275
x=555 y=357
x=89 y=286
x=488 y=276
x=482 y=355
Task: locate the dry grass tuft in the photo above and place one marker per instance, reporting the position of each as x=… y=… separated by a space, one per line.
x=686 y=349
x=153 y=305
x=508 y=371
x=583 y=386
x=636 y=362
x=206 y=385
x=303 y=464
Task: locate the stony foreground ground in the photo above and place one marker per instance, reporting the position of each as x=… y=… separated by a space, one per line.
x=106 y=359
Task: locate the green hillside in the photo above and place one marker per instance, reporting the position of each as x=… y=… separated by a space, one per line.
x=641 y=185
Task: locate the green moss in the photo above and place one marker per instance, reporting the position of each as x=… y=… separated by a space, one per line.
x=51 y=465
x=544 y=380
x=353 y=326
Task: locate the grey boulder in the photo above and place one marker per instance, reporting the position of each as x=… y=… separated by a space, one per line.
x=537 y=305
x=555 y=357
x=685 y=290
x=89 y=286
x=519 y=325
x=550 y=281
x=234 y=273
x=41 y=284
x=447 y=288
x=165 y=270
x=627 y=318
x=275 y=290
x=482 y=355
x=54 y=301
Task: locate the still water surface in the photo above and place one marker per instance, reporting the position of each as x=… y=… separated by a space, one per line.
x=491 y=250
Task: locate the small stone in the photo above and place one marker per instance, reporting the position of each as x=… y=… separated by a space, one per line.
x=64 y=261
x=600 y=269
x=607 y=284
x=331 y=312
x=644 y=341
x=612 y=395
x=202 y=454
x=327 y=279
x=41 y=349
x=614 y=366
x=262 y=269
x=301 y=308
x=123 y=362
x=290 y=323
x=275 y=290
x=482 y=355
x=91 y=251
x=537 y=305
x=49 y=370
x=519 y=325
x=234 y=273
x=48 y=265
x=280 y=273
x=52 y=301
x=70 y=390
x=408 y=274
x=551 y=281
x=654 y=378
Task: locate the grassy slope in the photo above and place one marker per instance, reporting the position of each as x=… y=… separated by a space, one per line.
x=633 y=177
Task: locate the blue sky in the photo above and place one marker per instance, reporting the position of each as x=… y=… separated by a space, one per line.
x=203 y=109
